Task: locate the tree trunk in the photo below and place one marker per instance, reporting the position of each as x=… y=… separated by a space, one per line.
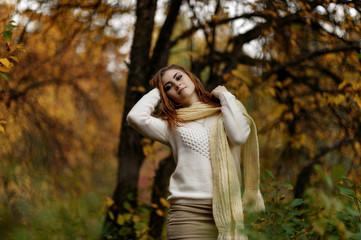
x=160 y=190
x=130 y=154
x=303 y=178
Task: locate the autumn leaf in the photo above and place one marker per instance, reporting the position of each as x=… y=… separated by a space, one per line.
x=164 y=202
x=120 y=220
x=109 y=201
x=111 y=215
x=357 y=99
x=5 y=62
x=14 y=58
x=4 y=70
x=159 y=212
x=2 y=129
x=136 y=218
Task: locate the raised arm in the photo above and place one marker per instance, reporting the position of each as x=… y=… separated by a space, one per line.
x=236 y=124
x=140 y=118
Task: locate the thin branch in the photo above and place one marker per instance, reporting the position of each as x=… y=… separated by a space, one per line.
x=352 y=47
x=213 y=23
x=162 y=46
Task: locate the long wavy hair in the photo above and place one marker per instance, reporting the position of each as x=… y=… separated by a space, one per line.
x=169 y=107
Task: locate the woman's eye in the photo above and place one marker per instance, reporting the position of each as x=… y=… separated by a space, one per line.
x=167 y=87
x=179 y=77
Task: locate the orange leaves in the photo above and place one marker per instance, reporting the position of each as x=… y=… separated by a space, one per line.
x=5 y=62
x=357 y=99
x=138 y=89
x=336 y=99
x=271 y=13
x=355 y=85
x=165 y=204
x=238 y=81
x=2 y=126
x=221 y=14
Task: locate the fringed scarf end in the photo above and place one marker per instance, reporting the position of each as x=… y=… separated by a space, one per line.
x=231 y=237
x=253 y=201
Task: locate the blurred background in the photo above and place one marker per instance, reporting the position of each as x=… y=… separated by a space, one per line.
x=71 y=167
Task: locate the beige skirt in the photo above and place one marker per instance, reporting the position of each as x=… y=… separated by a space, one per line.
x=191 y=221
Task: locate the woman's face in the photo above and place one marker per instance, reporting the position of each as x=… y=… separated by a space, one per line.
x=179 y=87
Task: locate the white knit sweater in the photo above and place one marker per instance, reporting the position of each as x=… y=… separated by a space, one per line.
x=192 y=180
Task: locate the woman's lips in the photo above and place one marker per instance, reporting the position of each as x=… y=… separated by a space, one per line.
x=180 y=91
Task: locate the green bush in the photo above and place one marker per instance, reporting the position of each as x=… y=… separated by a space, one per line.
x=330 y=211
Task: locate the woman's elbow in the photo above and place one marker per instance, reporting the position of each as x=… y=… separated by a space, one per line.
x=132 y=119
x=240 y=139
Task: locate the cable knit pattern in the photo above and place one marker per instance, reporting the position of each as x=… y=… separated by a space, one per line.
x=197 y=140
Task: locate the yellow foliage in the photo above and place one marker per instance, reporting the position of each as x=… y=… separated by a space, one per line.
x=5 y=62
x=109 y=201
x=138 y=89
x=159 y=212
x=154 y=205
x=2 y=126
x=215 y=18
x=288 y=116
x=127 y=216
x=14 y=58
x=120 y=220
x=111 y=215
x=301 y=141
x=355 y=85
x=357 y=146
x=147 y=150
x=136 y=218
x=4 y=70
x=271 y=91
x=164 y=202
x=338 y=99
x=357 y=99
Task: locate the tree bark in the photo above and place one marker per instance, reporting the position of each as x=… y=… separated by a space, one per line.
x=163 y=45
x=303 y=178
x=160 y=190
x=130 y=153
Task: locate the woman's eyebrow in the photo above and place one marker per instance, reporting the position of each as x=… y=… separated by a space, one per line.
x=175 y=75
x=165 y=83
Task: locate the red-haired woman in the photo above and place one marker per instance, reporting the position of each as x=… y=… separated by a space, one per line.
x=209 y=135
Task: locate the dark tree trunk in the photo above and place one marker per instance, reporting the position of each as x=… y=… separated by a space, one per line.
x=160 y=190
x=162 y=48
x=303 y=178
x=130 y=154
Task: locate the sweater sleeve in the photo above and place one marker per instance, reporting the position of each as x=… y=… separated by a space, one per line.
x=140 y=118
x=235 y=122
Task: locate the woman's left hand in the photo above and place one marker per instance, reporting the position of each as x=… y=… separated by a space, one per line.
x=218 y=90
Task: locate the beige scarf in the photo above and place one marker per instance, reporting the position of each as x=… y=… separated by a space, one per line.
x=227 y=201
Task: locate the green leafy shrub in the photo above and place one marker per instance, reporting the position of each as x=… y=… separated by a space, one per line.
x=328 y=212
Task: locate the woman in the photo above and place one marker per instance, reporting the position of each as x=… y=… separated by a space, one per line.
x=209 y=134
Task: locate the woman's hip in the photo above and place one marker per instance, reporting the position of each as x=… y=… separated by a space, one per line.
x=191 y=221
